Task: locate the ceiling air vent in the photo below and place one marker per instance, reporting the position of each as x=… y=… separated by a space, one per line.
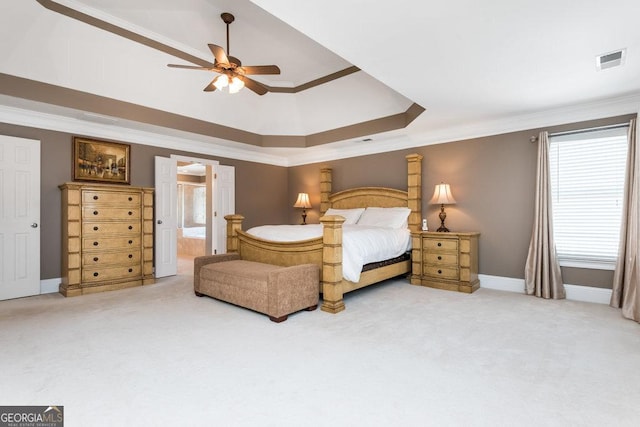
x=611 y=59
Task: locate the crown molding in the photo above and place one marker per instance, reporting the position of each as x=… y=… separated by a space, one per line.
x=408 y=138
x=111 y=111
x=191 y=143
x=287 y=157
x=313 y=83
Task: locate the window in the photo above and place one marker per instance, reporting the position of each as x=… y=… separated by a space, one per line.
x=587 y=171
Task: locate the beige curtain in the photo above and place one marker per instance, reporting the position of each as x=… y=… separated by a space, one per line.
x=542 y=276
x=626 y=279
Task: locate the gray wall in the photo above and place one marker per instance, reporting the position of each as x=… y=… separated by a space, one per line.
x=261 y=190
x=491 y=178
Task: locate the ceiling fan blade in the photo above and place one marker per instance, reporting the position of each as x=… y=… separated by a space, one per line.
x=261 y=69
x=210 y=87
x=253 y=85
x=218 y=52
x=191 y=67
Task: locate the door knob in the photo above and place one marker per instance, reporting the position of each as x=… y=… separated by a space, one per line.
x=34 y=225
x=159 y=221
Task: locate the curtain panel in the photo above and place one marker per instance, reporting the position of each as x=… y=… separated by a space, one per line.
x=626 y=278
x=542 y=275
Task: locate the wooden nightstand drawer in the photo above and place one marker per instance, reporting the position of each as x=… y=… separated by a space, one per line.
x=440 y=258
x=441 y=272
x=102 y=212
x=101 y=274
x=104 y=243
x=445 y=260
x=91 y=260
x=111 y=198
x=90 y=228
x=431 y=244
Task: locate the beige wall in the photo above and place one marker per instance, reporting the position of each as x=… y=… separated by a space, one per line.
x=261 y=190
x=491 y=178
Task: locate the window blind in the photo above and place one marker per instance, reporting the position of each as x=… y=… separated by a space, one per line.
x=587 y=171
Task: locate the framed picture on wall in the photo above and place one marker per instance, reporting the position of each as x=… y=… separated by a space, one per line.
x=101 y=161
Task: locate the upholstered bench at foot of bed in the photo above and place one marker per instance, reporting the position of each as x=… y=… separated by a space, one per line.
x=270 y=289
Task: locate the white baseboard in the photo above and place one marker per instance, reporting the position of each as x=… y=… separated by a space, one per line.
x=588 y=294
x=574 y=292
x=500 y=283
x=49 y=286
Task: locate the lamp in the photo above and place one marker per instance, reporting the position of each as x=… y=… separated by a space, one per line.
x=442 y=196
x=303 y=202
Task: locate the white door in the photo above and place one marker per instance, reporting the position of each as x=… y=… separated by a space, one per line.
x=224 y=202
x=20 y=214
x=166 y=210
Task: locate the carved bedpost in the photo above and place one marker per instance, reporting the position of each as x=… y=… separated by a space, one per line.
x=325 y=189
x=234 y=223
x=414 y=190
x=332 y=292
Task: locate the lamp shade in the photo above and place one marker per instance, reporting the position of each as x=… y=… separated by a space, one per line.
x=221 y=81
x=235 y=85
x=442 y=195
x=303 y=201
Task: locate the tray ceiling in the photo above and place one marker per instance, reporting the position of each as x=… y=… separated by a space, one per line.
x=349 y=72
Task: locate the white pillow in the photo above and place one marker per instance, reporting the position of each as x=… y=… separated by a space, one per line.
x=350 y=215
x=385 y=217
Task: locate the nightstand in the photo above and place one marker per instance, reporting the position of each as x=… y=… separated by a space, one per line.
x=445 y=260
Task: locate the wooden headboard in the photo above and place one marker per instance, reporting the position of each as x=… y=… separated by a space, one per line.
x=378 y=196
x=368 y=196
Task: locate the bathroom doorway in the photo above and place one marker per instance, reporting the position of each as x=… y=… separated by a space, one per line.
x=219 y=184
x=192 y=213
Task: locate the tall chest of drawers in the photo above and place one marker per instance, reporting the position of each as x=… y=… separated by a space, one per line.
x=107 y=237
x=445 y=260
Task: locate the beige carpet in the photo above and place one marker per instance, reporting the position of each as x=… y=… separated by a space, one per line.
x=399 y=355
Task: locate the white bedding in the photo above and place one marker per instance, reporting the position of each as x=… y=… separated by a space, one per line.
x=361 y=244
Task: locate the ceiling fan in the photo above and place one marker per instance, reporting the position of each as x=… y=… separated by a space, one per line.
x=232 y=73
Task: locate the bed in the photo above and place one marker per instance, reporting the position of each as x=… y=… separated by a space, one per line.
x=327 y=251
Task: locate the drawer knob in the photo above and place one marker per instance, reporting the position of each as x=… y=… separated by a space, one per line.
x=95 y=212
x=439 y=243
x=130 y=270
x=130 y=198
x=95 y=197
x=131 y=227
x=130 y=241
x=95 y=259
x=439 y=258
x=95 y=274
x=130 y=255
x=130 y=213
x=95 y=228
x=439 y=271
x=95 y=243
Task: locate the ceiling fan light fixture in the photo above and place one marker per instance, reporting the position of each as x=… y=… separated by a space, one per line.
x=232 y=73
x=236 y=85
x=221 y=81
